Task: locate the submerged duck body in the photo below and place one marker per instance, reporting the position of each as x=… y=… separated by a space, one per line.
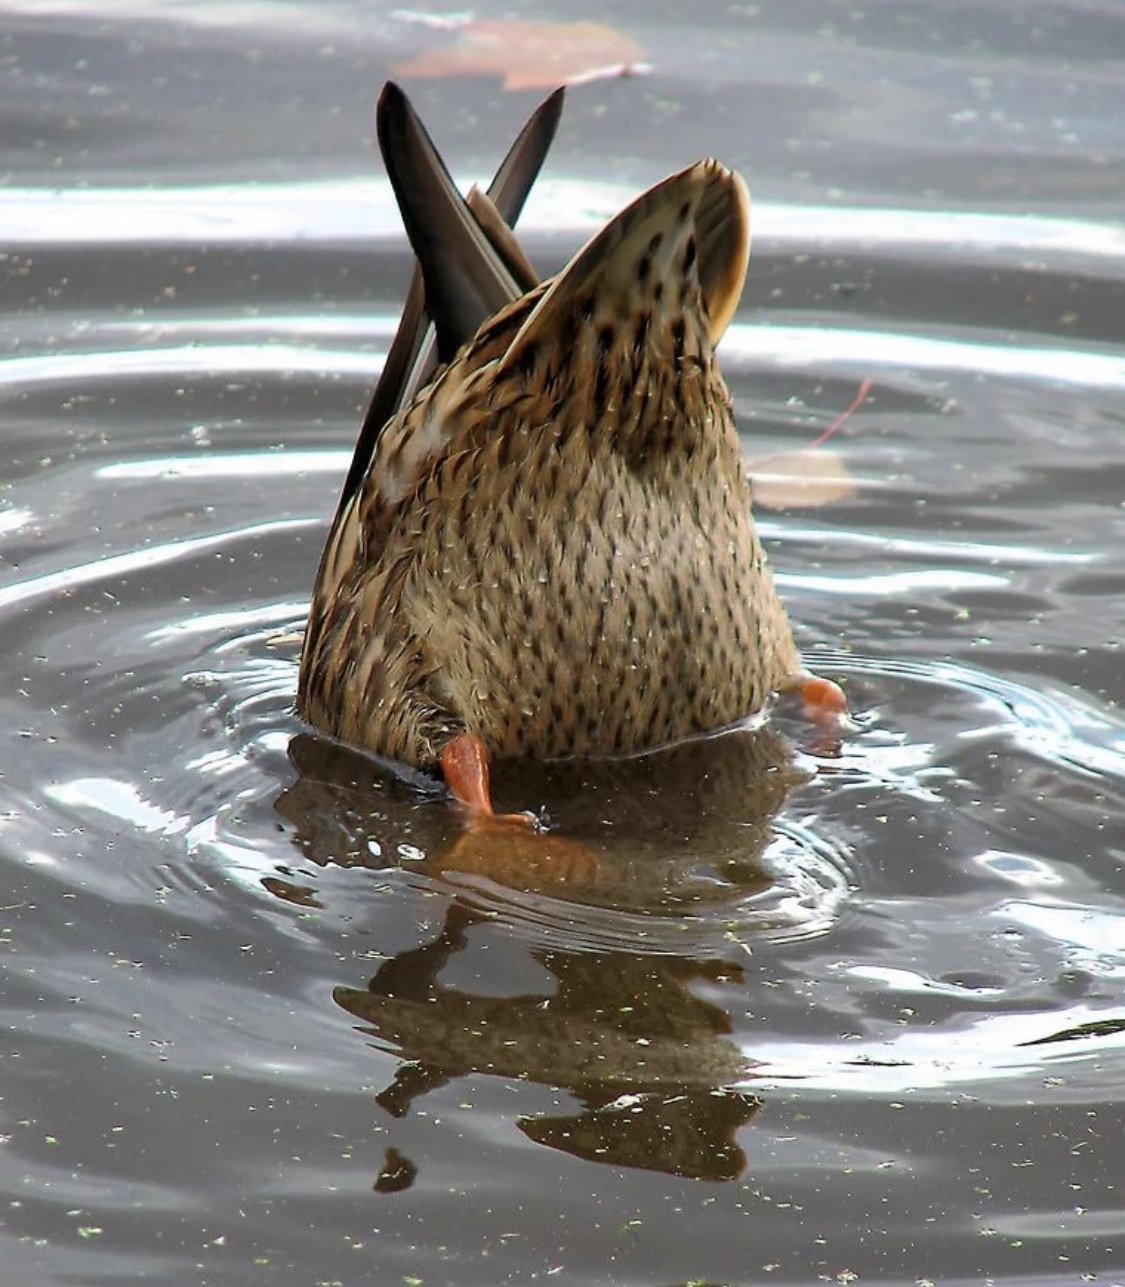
x=549 y=546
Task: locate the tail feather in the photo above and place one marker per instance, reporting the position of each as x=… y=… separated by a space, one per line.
x=503 y=239
x=413 y=354
x=683 y=245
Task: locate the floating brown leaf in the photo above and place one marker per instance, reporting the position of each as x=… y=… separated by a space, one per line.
x=800 y=479
x=531 y=55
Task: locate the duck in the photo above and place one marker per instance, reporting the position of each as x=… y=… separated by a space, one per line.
x=544 y=546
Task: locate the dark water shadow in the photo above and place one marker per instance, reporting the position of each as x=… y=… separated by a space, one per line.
x=624 y=903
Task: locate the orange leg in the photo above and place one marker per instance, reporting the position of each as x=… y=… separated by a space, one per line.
x=823 y=701
x=508 y=848
x=464 y=764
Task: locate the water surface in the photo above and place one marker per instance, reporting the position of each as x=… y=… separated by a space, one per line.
x=801 y=1011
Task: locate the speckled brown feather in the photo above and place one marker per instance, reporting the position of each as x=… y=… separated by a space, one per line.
x=553 y=547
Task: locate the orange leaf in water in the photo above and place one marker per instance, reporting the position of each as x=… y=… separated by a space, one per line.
x=800 y=479
x=531 y=55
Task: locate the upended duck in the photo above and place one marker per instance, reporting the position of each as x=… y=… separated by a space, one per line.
x=544 y=546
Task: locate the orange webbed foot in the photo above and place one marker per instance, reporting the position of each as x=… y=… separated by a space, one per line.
x=823 y=702
x=464 y=764
x=507 y=848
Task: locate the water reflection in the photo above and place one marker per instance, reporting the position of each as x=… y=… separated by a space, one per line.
x=646 y=1059
x=680 y=830
x=640 y=896
x=204 y=271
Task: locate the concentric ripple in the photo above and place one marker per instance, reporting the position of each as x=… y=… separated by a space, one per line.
x=837 y=975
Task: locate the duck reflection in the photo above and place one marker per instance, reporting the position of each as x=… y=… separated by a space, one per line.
x=641 y=1053
x=667 y=845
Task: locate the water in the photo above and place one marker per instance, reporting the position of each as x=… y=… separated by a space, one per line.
x=796 y=1012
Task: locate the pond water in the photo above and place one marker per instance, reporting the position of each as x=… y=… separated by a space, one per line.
x=803 y=1011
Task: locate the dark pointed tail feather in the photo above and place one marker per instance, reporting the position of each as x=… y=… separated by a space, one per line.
x=465 y=282
x=519 y=169
x=413 y=352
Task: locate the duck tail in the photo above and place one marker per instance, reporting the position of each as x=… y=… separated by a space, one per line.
x=416 y=346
